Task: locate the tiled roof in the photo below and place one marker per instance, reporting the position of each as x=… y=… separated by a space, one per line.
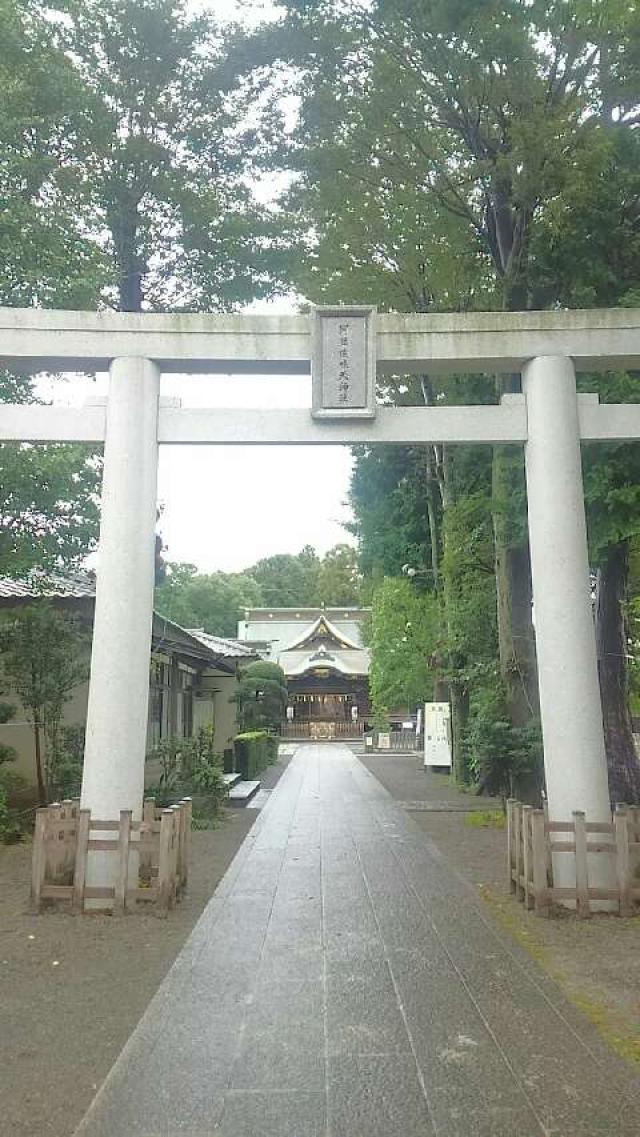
x=80 y=585
x=232 y=649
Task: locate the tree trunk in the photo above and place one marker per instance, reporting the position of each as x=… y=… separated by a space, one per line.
x=431 y=474
x=123 y=223
x=459 y=720
x=42 y=793
x=516 y=639
x=612 y=647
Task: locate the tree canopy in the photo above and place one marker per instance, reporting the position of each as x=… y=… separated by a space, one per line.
x=216 y=601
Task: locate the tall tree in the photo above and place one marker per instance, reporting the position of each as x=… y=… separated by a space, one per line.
x=478 y=111
x=48 y=254
x=405 y=642
x=288 y=581
x=167 y=154
x=48 y=510
x=586 y=251
x=338 y=578
x=213 y=601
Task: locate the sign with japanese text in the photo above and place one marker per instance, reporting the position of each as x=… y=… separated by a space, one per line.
x=343 y=363
x=437 y=734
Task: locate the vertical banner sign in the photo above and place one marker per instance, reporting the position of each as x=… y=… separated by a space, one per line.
x=343 y=363
x=437 y=734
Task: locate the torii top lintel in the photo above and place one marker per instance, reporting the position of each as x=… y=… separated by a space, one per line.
x=37 y=340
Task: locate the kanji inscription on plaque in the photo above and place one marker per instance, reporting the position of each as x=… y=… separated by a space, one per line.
x=343 y=363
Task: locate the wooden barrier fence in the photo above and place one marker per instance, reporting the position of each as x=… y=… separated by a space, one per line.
x=532 y=840
x=155 y=850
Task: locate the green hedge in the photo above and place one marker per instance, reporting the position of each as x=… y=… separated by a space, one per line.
x=254 y=751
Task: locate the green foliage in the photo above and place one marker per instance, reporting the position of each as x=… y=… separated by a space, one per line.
x=469 y=155
x=7 y=712
x=338 y=583
x=405 y=639
x=262 y=696
x=287 y=581
x=214 y=602
x=44 y=656
x=66 y=774
x=503 y=757
x=190 y=767
x=470 y=585
x=49 y=513
x=49 y=251
x=388 y=493
x=166 y=154
x=9 y=828
x=485 y=819
x=7 y=753
x=253 y=751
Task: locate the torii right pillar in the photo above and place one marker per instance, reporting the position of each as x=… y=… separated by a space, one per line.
x=570 y=704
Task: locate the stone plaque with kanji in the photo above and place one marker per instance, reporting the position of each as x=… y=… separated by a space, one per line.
x=343 y=363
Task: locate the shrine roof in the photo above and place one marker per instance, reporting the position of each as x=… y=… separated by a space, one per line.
x=296 y=663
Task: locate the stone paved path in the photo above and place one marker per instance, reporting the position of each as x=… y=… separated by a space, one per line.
x=343 y=982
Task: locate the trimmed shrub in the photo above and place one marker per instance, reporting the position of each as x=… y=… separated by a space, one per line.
x=262 y=697
x=254 y=751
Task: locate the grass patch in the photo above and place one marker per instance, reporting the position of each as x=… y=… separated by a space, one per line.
x=607 y=1023
x=512 y=917
x=485 y=819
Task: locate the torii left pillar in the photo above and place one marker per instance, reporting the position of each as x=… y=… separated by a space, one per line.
x=117 y=712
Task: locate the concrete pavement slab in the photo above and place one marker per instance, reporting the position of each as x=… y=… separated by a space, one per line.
x=345 y=982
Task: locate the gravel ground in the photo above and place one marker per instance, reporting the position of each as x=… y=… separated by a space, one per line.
x=72 y=989
x=596 y=962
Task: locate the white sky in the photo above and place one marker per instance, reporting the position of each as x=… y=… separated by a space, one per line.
x=225 y=507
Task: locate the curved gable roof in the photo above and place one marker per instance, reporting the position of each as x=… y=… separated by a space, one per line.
x=323 y=626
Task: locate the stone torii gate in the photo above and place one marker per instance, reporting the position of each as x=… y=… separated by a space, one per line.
x=348 y=346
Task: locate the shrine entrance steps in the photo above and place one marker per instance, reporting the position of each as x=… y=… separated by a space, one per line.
x=344 y=982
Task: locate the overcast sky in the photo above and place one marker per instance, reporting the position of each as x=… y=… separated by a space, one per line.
x=227 y=506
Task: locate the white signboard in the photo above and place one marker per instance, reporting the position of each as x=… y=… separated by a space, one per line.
x=384 y=742
x=343 y=363
x=437 y=734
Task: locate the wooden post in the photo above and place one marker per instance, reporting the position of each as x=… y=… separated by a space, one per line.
x=179 y=808
x=68 y=814
x=175 y=854
x=146 y=845
x=149 y=809
x=527 y=810
x=164 y=861
x=188 y=814
x=517 y=836
x=623 y=860
x=38 y=862
x=122 y=879
x=583 y=907
x=54 y=847
x=82 y=850
x=539 y=859
x=510 y=838
x=547 y=844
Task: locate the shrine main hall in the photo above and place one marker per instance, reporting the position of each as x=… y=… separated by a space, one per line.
x=325 y=662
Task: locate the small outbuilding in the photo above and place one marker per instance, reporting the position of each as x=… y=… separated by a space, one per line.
x=193 y=676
